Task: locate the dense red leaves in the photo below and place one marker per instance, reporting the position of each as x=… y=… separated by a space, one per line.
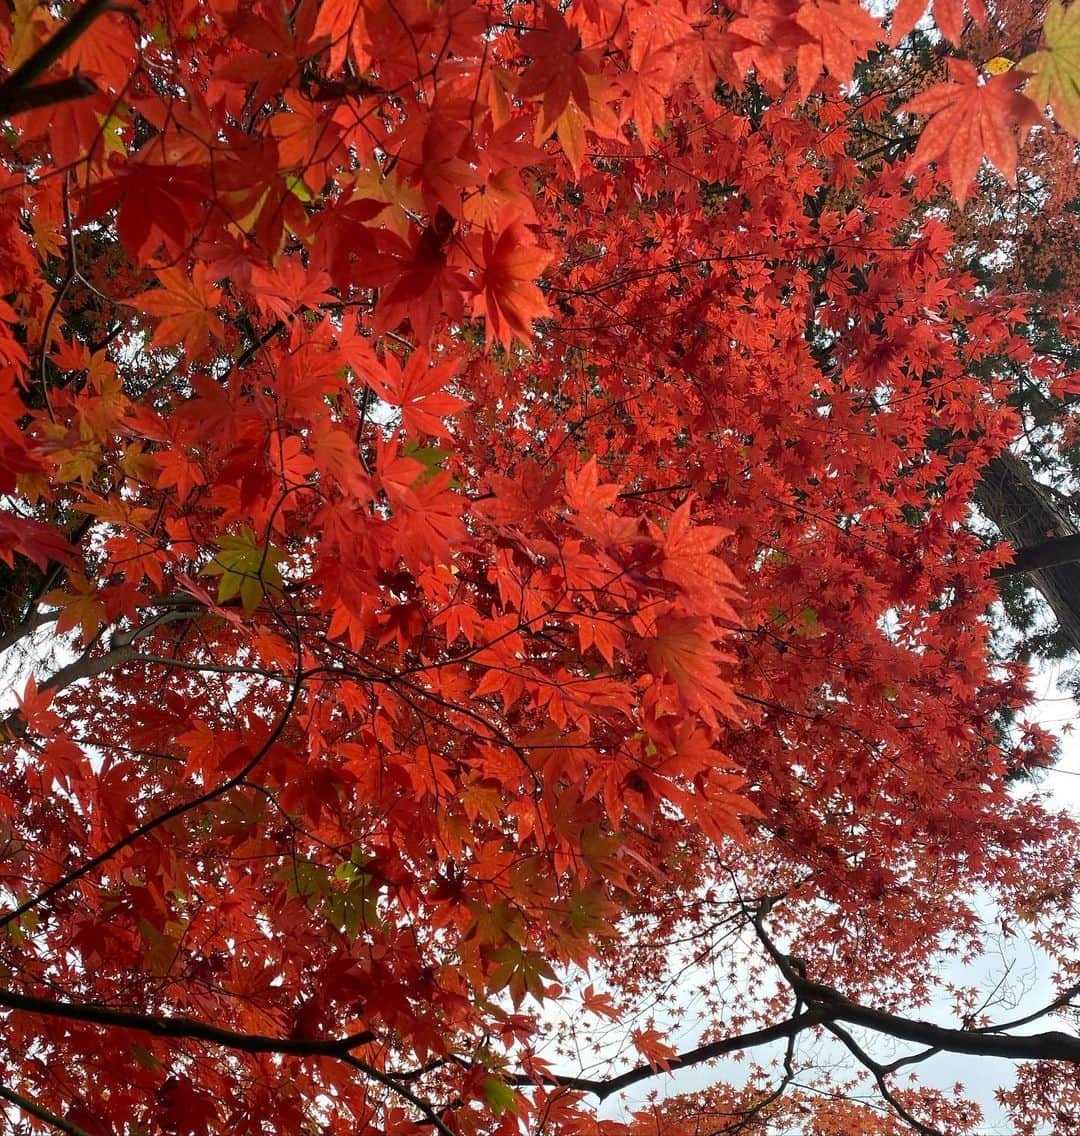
x=498 y=477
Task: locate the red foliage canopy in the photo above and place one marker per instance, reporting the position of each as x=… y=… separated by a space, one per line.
x=484 y=504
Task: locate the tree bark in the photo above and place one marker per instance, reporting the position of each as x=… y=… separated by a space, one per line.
x=1041 y=532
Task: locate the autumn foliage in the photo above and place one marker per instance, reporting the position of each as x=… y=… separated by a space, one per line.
x=484 y=523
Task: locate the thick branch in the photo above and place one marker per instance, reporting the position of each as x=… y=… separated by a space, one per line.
x=1053 y=1045
x=832 y=1006
x=32 y=1108
x=180 y=1027
x=47 y=94
x=1024 y=512
x=16 y=91
x=27 y=627
x=1048 y=554
x=605 y=1087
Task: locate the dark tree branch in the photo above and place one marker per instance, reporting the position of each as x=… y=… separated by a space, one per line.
x=605 y=1087
x=1053 y=1045
x=32 y=1108
x=406 y=1094
x=47 y=94
x=1024 y=511
x=832 y=1006
x=878 y=1073
x=1049 y=554
x=910 y=1059
x=28 y=626
x=182 y=1028
x=17 y=92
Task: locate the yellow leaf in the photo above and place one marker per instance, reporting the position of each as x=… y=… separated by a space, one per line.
x=1055 y=71
x=31 y=21
x=246 y=569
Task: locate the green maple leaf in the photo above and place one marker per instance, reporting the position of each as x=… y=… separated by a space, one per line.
x=522 y=971
x=246 y=568
x=1055 y=71
x=500 y=1097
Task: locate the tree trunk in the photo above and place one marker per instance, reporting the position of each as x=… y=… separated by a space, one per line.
x=1028 y=517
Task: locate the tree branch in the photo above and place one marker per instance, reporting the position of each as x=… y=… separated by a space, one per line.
x=41 y=1112
x=16 y=91
x=27 y=627
x=1063 y=999
x=1053 y=1045
x=605 y=1087
x=1049 y=554
x=831 y=1005
x=878 y=1073
x=184 y=1028
x=401 y=1090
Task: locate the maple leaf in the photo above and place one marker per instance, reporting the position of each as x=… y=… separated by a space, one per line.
x=418 y=388
x=559 y=69
x=905 y=16
x=767 y=38
x=648 y=86
x=509 y=297
x=246 y=568
x=657 y=28
x=35 y=540
x=1055 y=69
x=599 y=1002
x=688 y=562
x=423 y=286
x=970 y=120
x=500 y=1097
x=948 y=14
x=158 y=204
x=104 y=50
x=683 y=652
x=650 y=1044
x=841 y=32
x=288 y=289
x=82 y=607
x=185 y=305
x=35 y=708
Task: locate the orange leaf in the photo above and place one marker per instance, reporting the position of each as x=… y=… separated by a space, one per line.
x=971 y=120
x=185 y=306
x=657 y=1052
x=510 y=299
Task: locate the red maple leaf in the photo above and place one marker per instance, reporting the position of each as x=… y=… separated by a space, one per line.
x=972 y=119
x=418 y=388
x=559 y=69
x=841 y=32
x=158 y=204
x=35 y=540
x=509 y=297
x=185 y=305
